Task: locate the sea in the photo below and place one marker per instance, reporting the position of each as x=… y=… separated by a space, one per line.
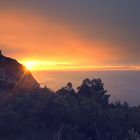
x=123 y=86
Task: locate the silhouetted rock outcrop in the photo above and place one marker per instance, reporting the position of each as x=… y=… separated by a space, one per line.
x=14 y=76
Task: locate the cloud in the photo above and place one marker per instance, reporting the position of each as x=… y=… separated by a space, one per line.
x=77 y=32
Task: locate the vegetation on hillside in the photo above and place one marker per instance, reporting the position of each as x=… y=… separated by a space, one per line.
x=67 y=115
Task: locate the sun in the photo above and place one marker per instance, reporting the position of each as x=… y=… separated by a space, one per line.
x=28 y=66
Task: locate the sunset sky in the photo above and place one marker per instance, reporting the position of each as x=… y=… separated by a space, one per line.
x=71 y=34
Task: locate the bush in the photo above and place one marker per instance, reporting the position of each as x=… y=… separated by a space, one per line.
x=67 y=115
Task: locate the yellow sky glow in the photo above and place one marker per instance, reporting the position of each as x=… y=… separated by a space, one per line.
x=43 y=44
x=48 y=65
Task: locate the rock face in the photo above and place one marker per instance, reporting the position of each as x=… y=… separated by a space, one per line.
x=14 y=76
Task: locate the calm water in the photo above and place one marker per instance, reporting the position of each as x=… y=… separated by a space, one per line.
x=121 y=85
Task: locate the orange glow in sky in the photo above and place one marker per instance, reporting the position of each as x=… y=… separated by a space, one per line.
x=35 y=65
x=44 y=44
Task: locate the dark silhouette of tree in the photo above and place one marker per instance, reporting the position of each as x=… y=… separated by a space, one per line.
x=67 y=115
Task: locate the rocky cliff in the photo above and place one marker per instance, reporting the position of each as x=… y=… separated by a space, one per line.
x=14 y=76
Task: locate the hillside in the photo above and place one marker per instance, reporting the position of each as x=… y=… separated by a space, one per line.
x=14 y=76
x=33 y=113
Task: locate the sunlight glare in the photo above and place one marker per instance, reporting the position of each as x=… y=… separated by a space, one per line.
x=29 y=66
